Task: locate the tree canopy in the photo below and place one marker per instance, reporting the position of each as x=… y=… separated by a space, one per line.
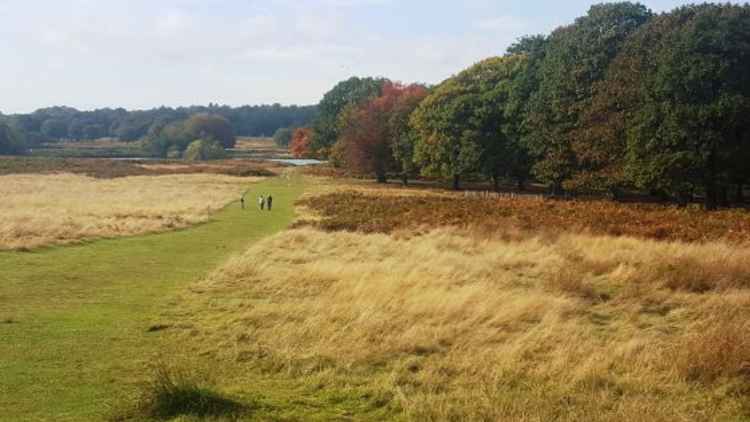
x=685 y=116
x=352 y=91
x=469 y=124
x=575 y=57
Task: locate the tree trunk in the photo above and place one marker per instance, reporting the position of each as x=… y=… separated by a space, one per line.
x=557 y=189
x=723 y=196
x=614 y=193
x=684 y=198
x=741 y=193
x=456 y=182
x=709 y=202
x=405 y=179
x=381 y=177
x=496 y=182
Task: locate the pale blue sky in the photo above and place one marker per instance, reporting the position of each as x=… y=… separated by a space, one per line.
x=146 y=53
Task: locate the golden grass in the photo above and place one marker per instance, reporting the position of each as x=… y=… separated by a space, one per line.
x=41 y=210
x=453 y=325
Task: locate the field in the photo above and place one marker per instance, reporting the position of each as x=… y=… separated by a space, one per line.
x=102 y=168
x=448 y=326
x=43 y=210
x=258 y=148
x=386 y=303
x=393 y=210
x=422 y=319
x=80 y=324
x=109 y=148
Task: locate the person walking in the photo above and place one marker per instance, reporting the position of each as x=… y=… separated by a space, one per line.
x=261 y=202
x=242 y=201
x=270 y=202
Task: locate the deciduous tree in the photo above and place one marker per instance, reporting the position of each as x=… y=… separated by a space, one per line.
x=467 y=123
x=688 y=123
x=375 y=136
x=326 y=125
x=575 y=57
x=301 y=145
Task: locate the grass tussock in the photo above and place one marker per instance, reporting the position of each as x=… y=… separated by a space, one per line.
x=55 y=209
x=175 y=393
x=381 y=211
x=457 y=326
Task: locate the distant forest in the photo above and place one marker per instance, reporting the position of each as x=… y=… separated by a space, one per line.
x=57 y=123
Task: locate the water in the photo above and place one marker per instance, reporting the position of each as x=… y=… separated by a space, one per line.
x=292 y=161
x=297 y=161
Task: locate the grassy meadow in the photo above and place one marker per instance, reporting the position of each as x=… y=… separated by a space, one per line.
x=80 y=324
x=427 y=320
x=42 y=210
x=379 y=303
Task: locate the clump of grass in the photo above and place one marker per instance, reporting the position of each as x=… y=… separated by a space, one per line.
x=719 y=348
x=172 y=393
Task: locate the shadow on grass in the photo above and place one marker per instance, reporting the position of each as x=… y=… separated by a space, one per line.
x=173 y=393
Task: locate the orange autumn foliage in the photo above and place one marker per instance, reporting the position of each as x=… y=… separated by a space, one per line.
x=300 y=144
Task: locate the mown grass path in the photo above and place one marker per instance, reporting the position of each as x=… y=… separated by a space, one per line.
x=74 y=320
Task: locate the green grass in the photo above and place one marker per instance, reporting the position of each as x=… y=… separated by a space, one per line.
x=74 y=321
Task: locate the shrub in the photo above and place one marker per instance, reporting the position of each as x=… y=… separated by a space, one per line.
x=202 y=149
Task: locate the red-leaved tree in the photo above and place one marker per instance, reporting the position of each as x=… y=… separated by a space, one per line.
x=301 y=142
x=369 y=131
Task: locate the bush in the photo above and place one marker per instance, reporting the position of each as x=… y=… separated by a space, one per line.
x=172 y=393
x=202 y=149
x=283 y=136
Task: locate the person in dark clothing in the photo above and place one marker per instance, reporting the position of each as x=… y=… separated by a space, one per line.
x=269 y=201
x=242 y=202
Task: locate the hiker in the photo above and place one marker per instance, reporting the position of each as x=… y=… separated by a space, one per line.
x=270 y=202
x=242 y=202
x=261 y=202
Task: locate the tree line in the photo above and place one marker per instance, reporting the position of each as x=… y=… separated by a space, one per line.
x=622 y=99
x=57 y=123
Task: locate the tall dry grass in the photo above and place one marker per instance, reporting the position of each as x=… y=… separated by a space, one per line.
x=459 y=326
x=41 y=210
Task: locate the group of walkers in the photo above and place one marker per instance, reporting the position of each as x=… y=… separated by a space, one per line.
x=267 y=202
x=264 y=202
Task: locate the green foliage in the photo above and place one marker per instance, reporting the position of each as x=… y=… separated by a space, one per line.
x=468 y=123
x=12 y=140
x=351 y=91
x=171 y=140
x=94 y=131
x=687 y=125
x=54 y=128
x=201 y=150
x=403 y=136
x=575 y=57
x=283 y=136
x=210 y=127
x=259 y=120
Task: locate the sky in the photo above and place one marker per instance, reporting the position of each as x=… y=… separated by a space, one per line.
x=141 y=54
